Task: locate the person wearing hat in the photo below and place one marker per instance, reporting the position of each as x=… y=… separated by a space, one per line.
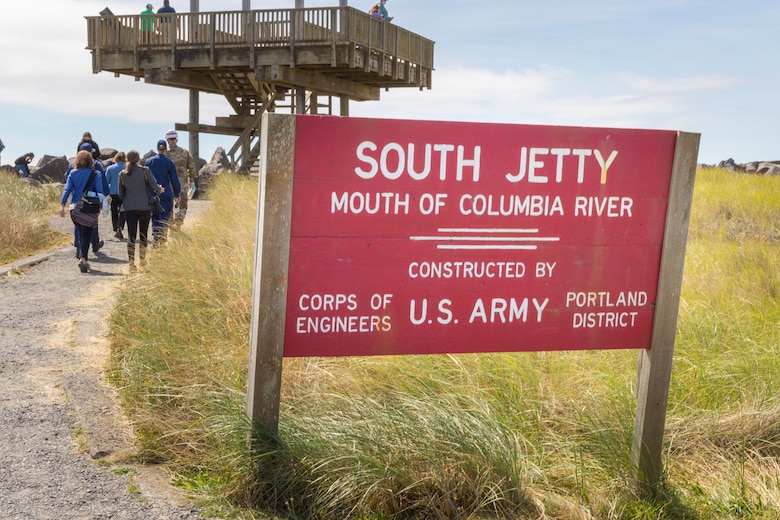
x=185 y=169
x=147 y=22
x=164 y=172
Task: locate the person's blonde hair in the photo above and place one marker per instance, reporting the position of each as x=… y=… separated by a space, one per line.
x=84 y=160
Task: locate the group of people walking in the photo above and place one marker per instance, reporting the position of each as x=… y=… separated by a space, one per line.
x=128 y=190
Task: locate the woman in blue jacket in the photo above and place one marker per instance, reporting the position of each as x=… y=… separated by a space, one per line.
x=112 y=177
x=75 y=186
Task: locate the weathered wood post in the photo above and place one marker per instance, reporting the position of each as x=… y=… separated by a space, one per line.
x=272 y=253
x=343 y=100
x=300 y=92
x=194 y=122
x=655 y=363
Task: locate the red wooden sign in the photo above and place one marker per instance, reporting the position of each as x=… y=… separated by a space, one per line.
x=415 y=237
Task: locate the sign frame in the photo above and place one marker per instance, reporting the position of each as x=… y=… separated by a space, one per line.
x=270 y=289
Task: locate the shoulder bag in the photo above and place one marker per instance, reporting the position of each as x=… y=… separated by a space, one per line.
x=154 y=199
x=90 y=203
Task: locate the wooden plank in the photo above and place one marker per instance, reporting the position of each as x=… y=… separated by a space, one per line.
x=269 y=290
x=180 y=78
x=209 y=129
x=655 y=363
x=280 y=74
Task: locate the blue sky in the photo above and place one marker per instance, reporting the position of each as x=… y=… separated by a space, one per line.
x=693 y=65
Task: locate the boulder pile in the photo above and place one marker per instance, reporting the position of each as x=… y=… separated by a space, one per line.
x=758 y=167
x=51 y=169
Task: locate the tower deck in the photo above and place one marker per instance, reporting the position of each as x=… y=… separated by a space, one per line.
x=254 y=58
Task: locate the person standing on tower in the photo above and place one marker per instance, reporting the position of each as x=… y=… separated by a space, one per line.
x=383 y=11
x=147 y=23
x=164 y=22
x=185 y=169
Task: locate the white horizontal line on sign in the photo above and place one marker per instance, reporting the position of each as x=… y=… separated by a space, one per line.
x=486 y=239
x=487 y=230
x=484 y=247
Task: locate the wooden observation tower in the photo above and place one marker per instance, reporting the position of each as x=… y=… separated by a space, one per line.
x=262 y=61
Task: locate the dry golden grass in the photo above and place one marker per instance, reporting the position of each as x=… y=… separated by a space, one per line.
x=542 y=435
x=25 y=212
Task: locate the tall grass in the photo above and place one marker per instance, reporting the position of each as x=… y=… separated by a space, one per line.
x=530 y=435
x=25 y=212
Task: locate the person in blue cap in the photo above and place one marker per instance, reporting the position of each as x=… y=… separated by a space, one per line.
x=164 y=170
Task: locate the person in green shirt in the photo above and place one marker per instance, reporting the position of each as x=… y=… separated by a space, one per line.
x=147 y=19
x=383 y=11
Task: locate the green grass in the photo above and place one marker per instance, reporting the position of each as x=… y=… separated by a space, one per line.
x=526 y=435
x=25 y=212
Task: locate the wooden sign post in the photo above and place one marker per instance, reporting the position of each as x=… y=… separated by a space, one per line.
x=655 y=363
x=389 y=237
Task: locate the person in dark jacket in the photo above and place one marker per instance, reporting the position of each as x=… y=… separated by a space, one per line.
x=87 y=138
x=21 y=164
x=164 y=171
x=135 y=185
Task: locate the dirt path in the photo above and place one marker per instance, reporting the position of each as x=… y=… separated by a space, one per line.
x=60 y=430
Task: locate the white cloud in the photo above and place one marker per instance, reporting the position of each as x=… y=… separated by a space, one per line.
x=691 y=84
x=545 y=95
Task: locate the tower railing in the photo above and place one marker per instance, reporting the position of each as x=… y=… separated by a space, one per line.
x=256 y=30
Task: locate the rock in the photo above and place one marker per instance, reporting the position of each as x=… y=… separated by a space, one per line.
x=50 y=169
x=756 y=167
x=219 y=163
x=730 y=165
x=768 y=168
x=147 y=155
x=106 y=154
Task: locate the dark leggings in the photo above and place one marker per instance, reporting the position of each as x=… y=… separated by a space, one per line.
x=83 y=233
x=117 y=217
x=137 y=224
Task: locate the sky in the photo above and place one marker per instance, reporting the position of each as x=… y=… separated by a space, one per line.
x=697 y=66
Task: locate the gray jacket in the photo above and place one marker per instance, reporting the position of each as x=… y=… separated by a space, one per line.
x=133 y=189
